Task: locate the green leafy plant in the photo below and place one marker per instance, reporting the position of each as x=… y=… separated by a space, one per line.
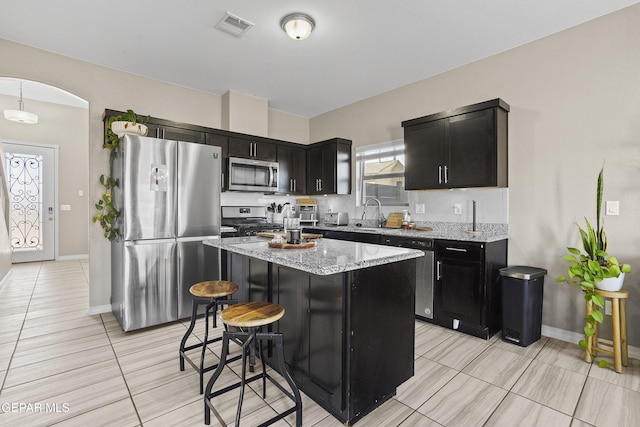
x=111 y=140
x=592 y=266
x=108 y=214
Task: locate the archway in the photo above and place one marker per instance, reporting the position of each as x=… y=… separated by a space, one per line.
x=63 y=121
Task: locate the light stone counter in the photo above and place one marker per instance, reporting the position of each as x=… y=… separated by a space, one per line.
x=441 y=230
x=329 y=256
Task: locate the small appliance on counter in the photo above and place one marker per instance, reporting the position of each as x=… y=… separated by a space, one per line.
x=307 y=211
x=336 y=218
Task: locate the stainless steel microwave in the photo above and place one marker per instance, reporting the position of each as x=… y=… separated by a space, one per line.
x=252 y=175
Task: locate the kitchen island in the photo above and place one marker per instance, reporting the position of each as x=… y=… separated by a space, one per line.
x=349 y=315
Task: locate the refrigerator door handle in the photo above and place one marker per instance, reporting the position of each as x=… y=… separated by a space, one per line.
x=147 y=242
x=196 y=239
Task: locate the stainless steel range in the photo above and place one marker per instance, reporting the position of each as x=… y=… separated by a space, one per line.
x=246 y=220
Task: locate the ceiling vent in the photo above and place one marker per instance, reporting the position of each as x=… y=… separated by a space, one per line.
x=234 y=25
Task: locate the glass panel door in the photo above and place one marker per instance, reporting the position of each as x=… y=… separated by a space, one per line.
x=31 y=183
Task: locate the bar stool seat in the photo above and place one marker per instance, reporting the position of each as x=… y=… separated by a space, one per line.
x=211 y=294
x=619 y=331
x=252 y=316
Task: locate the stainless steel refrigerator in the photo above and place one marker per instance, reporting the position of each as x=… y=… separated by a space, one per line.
x=169 y=202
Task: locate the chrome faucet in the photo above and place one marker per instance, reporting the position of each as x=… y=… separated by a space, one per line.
x=380 y=219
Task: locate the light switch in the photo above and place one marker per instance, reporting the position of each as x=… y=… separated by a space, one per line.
x=420 y=208
x=80 y=193
x=457 y=209
x=613 y=208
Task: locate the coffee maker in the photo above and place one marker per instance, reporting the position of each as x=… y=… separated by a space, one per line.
x=308 y=213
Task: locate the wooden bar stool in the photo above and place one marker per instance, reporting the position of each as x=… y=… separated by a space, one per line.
x=252 y=316
x=619 y=325
x=211 y=294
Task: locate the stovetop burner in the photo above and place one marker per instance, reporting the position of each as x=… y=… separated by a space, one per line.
x=247 y=220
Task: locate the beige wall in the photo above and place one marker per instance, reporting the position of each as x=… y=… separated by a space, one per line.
x=67 y=127
x=575 y=104
x=104 y=89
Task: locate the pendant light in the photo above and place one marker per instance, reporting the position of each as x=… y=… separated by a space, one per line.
x=298 y=26
x=20 y=115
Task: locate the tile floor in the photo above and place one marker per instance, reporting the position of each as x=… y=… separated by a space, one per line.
x=59 y=366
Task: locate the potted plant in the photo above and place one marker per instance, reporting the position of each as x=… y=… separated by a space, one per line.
x=122 y=124
x=593 y=267
x=125 y=123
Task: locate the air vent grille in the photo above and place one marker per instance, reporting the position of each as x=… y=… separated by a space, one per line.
x=234 y=25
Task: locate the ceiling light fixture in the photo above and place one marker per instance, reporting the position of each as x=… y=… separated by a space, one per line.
x=20 y=115
x=298 y=26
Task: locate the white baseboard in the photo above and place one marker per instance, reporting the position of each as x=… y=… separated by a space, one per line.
x=574 y=337
x=72 y=257
x=5 y=279
x=100 y=309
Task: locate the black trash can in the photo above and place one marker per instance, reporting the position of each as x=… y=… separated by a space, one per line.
x=522 y=290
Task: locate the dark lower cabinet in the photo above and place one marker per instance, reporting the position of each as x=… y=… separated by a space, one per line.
x=251 y=275
x=467 y=287
x=313 y=330
x=348 y=337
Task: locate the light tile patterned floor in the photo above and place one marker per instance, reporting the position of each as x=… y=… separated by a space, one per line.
x=59 y=366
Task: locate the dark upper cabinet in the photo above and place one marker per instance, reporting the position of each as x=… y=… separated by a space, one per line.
x=329 y=167
x=221 y=141
x=423 y=161
x=465 y=147
x=292 y=169
x=254 y=149
x=175 y=133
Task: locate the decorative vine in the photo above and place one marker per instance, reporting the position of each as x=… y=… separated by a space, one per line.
x=107 y=213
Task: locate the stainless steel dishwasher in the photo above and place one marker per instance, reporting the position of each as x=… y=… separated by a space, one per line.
x=424 y=271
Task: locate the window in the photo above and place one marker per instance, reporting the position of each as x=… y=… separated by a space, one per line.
x=380 y=173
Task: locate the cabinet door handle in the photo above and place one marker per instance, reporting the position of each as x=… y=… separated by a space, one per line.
x=439 y=174
x=446 y=175
x=255 y=149
x=294 y=184
x=438 y=275
x=320 y=184
x=456 y=249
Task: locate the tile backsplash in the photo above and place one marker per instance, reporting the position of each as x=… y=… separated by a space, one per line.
x=492 y=204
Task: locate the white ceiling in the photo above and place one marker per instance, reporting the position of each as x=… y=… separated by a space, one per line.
x=358 y=49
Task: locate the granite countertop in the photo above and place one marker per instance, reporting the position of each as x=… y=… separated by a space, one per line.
x=441 y=230
x=329 y=256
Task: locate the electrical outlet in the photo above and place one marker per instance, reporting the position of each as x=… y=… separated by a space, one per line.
x=607 y=307
x=65 y=207
x=612 y=207
x=420 y=208
x=330 y=208
x=457 y=209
